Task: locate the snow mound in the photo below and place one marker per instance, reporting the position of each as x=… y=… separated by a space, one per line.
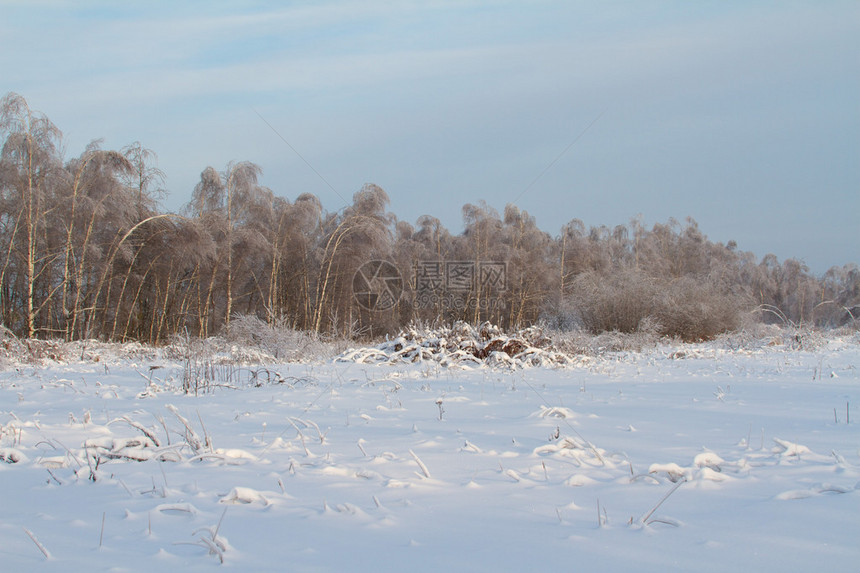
x=244 y=495
x=12 y=456
x=580 y=452
x=464 y=346
x=556 y=412
x=671 y=470
x=139 y=448
x=709 y=460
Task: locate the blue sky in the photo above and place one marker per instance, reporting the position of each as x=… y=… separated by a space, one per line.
x=744 y=115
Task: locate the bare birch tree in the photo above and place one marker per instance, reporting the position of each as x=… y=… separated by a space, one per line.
x=30 y=159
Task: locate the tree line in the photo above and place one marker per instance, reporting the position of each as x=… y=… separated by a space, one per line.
x=87 y=252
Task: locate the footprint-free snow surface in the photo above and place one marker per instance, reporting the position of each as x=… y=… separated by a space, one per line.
x=687 y=458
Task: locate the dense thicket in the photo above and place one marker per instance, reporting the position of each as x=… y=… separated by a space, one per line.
x=86 y=252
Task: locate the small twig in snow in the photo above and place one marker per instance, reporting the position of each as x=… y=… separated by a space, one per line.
x=41 y=547
x=218 y=527
x=301 y=437
x=421 y=465
x=645 y=517
x=125 y=487
x=206 y=438
x=102 y=534
x=138 y=426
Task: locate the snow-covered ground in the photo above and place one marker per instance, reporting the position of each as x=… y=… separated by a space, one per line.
x=687 y=458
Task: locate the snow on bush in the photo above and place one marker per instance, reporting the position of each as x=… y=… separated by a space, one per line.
x=465 y=346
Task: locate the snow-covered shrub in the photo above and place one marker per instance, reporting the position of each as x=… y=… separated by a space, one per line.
x=10 y=346
x=631 y=301
x=693 y=309
x=462 y=345
x=250 y=340
x=279 y=339
x=618 y=302
x=30 y=350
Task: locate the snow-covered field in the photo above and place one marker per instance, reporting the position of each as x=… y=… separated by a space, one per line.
x=688 y=458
